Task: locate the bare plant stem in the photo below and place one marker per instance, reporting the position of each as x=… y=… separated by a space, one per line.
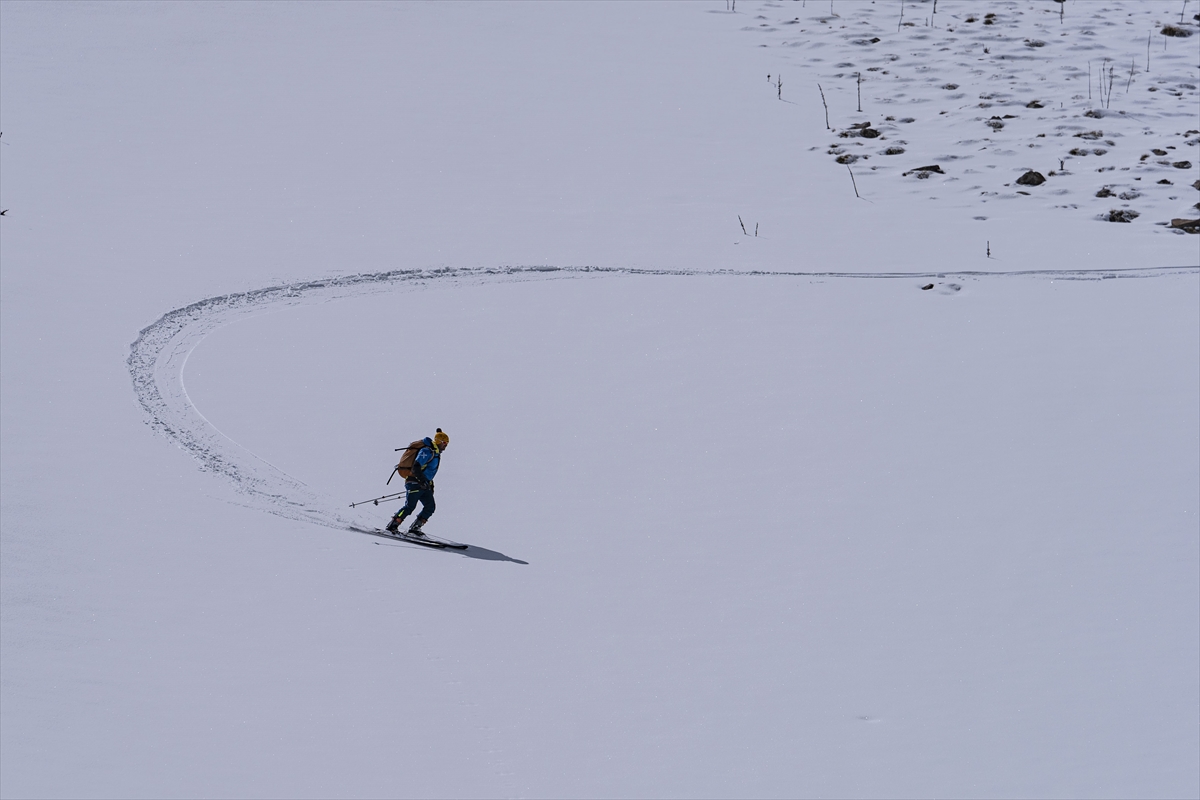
x=860 y=92
x=822 y=91
x=1148 y=37
x=901 y=22
x=1130 y=81
x=1089 y=80
x=853 y=182
x=742 y=224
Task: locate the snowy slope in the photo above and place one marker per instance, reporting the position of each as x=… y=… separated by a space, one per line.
x=734 y=534
x=1093 y=96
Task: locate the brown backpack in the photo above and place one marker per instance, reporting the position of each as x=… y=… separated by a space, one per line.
x=408 y=458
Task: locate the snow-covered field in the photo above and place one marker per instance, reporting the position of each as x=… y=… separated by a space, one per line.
x=749 y=515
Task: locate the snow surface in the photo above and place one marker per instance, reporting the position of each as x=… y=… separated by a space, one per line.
x=748 y=515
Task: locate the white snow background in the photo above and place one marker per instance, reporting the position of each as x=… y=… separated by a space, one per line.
x=732 y=533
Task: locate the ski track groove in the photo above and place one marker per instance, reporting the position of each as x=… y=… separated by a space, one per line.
x=159 y=353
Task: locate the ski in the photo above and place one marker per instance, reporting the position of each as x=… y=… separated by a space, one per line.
x=448 y=543
x=402 y=536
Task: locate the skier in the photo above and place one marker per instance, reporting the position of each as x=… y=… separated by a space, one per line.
x=418 y=486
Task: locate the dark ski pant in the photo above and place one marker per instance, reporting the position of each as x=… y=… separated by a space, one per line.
x=418 y=493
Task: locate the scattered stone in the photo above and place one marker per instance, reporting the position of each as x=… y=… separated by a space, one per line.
x=1196 y=185
x=893 y=151
x=1165 y=182
x=995 y=123
x=1122 y=215
x=847 y=158
x=1034 y=104
x=1091 y=135
x=1099 y=151
x=927 y=287
x=1186 y=225
x=923 y=172
x=950 y=87
x=1105 y=192
x=1175 y=30
x=1094 y=113
x=1158 y=152
x=1031 y=178
x=908 y=119
x=1130 y=195
x=1182 y=165
x=1078 y=151
x=1034 y=43
x=862 y=129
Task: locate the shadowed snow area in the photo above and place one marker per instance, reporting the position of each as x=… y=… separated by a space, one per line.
x=769 y=490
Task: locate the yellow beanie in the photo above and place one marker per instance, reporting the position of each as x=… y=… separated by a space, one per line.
x=441 y=439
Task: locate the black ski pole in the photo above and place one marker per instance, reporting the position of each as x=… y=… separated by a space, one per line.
x=395 y=469
x=377 y=499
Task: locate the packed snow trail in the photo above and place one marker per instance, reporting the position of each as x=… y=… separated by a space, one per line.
x=160 y=353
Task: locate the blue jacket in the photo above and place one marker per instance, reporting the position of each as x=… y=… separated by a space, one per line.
x=426 y=464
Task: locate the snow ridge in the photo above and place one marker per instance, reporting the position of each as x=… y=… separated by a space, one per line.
x=159 y=354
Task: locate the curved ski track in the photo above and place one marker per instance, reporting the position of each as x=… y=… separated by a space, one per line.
x=160 y=352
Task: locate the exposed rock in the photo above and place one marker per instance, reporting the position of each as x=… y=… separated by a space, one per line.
x=1122 y=215
x=1186 y=225
x=1196 y=185
x=1175 y=30
x=923 y=172
x=1031 y=178
x=927 y=287
x=1093 y=135
x=1129 y=195
x=1105 y=192
x=893 y=151
x=1158 y=152
x=1165 y=182
x=862 y=129
x=847 y=158
x=1182 y=165
x=1034 y=104
x=1034 y=43
x=950 y=87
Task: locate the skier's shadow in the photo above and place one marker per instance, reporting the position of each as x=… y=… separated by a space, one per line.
x=483 y=554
